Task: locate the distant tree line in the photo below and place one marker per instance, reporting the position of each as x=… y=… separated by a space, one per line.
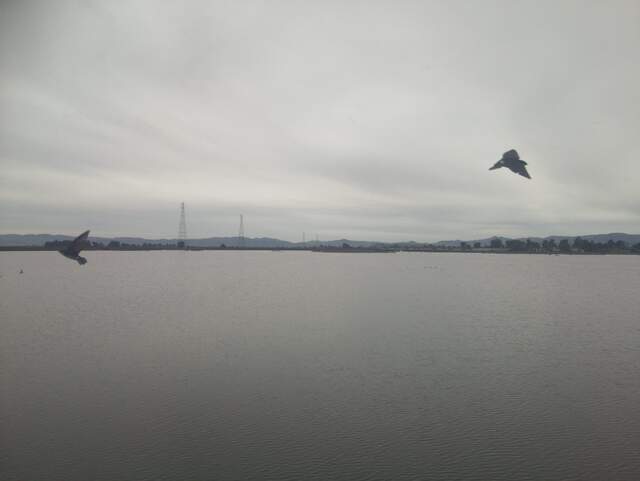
x=112 y=245
x=547 y=246
x=578 y=245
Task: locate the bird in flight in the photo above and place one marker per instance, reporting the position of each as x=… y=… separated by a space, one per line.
x=511 y=160
x=72 y=251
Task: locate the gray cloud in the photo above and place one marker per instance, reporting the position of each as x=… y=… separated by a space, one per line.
x=372 y=120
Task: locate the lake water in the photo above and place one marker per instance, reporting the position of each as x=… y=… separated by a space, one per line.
x=317 y=366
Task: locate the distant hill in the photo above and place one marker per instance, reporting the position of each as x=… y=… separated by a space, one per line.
x=30 y=239
x=268 y=242
x=235 y=242
x=41 y=239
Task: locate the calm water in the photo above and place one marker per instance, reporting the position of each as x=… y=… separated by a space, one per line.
x=311 y=366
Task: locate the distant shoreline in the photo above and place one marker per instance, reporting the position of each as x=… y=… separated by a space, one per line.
x=329 y=250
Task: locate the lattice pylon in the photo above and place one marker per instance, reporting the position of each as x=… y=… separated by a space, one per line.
x=182 y=229
x=241 y=242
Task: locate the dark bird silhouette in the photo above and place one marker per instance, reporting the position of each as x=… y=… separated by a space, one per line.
x=72 y=251
x=511 y=160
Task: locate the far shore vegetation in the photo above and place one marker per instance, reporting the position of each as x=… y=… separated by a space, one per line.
x=496 y=245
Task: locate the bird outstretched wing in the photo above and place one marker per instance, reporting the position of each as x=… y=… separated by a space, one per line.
x=78 y=243
x=511 y=155
x=520 y=169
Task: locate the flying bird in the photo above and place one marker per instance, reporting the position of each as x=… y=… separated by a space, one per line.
x=72 y=251
x=511 y=160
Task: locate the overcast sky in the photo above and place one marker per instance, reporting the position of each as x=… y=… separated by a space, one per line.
x=359 y=119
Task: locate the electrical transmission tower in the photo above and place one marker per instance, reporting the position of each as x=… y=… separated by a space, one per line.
x=241 y=233
x=182 y=229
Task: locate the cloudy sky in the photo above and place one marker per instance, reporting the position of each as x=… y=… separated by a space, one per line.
x=359 y=119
